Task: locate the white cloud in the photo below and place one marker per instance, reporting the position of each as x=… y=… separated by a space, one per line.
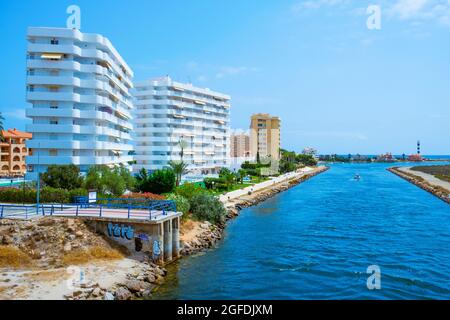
x=408 y=8
x=18 y=114
x=413 y=10
x=233 y=71
x=315 y=4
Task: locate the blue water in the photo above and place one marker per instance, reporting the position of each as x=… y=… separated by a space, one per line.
x=316 y=240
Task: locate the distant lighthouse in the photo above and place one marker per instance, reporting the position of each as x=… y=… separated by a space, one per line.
x=418 y=147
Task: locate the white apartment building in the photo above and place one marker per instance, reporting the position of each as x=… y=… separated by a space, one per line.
x=79 y=87
x=167 y=112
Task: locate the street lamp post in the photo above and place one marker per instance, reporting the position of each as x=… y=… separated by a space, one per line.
x=38 y=181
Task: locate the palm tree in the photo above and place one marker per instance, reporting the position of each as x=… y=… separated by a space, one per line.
x=179 y=168
x=1 y=127
x=183 y=145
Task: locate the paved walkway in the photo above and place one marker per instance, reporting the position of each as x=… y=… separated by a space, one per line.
x=428 y=177
x=266 y=184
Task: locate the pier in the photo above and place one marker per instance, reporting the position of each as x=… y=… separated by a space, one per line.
x=151 y=229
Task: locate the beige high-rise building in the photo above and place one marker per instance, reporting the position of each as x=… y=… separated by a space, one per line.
x=265 y=135
x=239 y=144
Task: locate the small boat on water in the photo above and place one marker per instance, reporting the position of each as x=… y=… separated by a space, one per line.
x=357 y=177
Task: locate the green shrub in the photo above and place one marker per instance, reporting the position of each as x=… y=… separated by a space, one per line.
x=207 y=207
x=53 y=195
x=216 y=183
x=181 y=202
x=13 y=195
x=188 y=190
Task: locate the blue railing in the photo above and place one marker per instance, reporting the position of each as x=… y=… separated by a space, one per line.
x=83 y=208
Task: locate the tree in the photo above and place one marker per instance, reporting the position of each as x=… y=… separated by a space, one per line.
x=227 y=176
x=141 y=180
x=109 y=181
x=306 y=159
x=183 y=145
x=63 y=177
x=179 y=168
x=241 y=175
x=160 y=181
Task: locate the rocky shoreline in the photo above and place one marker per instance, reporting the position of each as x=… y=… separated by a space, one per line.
x=437 y=191
x=212 y=234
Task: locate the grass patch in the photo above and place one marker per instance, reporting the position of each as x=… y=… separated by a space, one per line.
x=83 y=256
x=13 y=257
x=439 y=171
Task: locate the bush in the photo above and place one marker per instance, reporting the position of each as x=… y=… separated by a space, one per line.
x=53 y=195
x=47 y=195
x=143 y=195
x=181 y=202
x=207 y=207
x=188 y=190
x=216 y=183
x=13 y=195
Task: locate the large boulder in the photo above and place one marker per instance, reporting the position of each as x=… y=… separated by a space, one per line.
x=122 y=294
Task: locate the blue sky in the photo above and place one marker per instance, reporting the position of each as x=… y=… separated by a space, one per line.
x=336 y=85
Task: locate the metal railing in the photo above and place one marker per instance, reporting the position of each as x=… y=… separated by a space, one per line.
x=107 y=207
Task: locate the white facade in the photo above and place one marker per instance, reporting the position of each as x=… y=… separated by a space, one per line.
x=168 y=112
x=79 y=87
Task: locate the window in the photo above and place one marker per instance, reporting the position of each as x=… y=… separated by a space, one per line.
x=54 y=41
x=53 y=152
x=53 y=121
x=53 y=105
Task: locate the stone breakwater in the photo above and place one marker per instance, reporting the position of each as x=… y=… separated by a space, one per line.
x=211 y=234
x=439 y=192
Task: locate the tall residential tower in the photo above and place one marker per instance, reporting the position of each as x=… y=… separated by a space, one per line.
x=79 y=87
x=265 y=136
x=171 y=116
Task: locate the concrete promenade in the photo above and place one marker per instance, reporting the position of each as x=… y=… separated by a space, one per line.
x=285 y=178
x=428 y=177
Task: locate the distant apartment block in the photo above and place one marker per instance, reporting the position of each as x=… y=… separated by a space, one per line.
x=79 y=87
x=168 y=112
x=13 y=153
x=265 y=136
x=239 y=144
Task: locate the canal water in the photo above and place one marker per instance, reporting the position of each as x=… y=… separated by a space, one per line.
x=316 y=241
